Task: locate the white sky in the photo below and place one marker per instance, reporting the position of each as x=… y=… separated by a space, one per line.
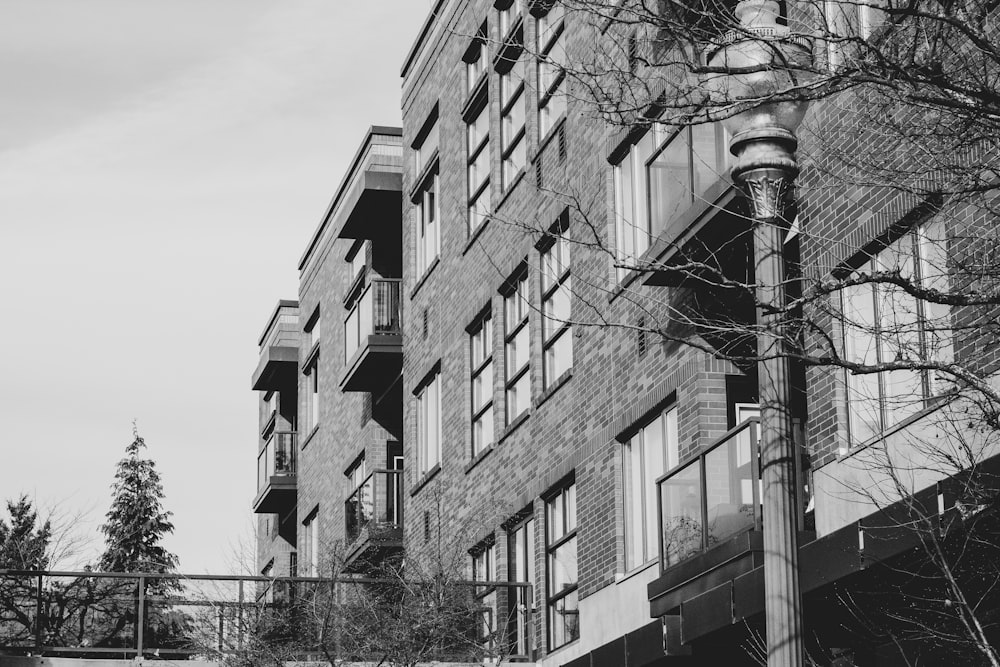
x=162 y=166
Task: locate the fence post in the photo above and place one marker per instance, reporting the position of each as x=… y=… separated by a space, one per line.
x=140 y=617
x=239 y=620
x=222 y=615
x=38 y=613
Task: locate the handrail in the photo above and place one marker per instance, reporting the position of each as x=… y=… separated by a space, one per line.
x=375 y=312
x=372 y=502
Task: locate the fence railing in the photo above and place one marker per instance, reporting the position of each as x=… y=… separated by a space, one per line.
x=376 y=505
x=712 y=497
x=175 y=616
x=277 y=458
x=376 y=312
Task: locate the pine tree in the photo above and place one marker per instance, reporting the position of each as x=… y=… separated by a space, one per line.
x=23 y=543
x=136 y=523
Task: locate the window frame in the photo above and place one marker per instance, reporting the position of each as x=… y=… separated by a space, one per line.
x=310 y=541
x=565 y=492
x=924 y=323
x=479 y=194
x=428 y=453
x=556 y=240
x=635 y=158
x=516 y=303
x=522 y=567
x=666 y=418
x=513 y=140
x=546 y=49
x=483 y=329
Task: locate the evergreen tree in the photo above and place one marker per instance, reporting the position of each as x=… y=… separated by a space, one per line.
x=136 y=523
x=23 y=543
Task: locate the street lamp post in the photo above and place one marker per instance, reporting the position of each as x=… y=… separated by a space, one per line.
x=755 y=68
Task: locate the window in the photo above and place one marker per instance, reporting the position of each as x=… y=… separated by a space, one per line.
x=357 y=472
x=426 y=145
x=429 y=424
x=428 y=229
x=562 y=603
x=662 y=174
x=476 y=58
x=521 y=568
x=551 y=69
x=517 y=344
x=481 y=348
x=484 y=569
x=310 y=543
x=508 y=15
x=426 y=196
x=477 y=130
x=557 y=291
x=652 y=451
x=311 y=371
x=512 y=142
x=882 y=323
x=358 y=257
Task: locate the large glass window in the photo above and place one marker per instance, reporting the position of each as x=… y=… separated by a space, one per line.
x=517 y=349
x=481 y=348
x=557 y=292
x=429 y=425
x=562 y=601
x=648 y=454
x=476 y=59
x=508 y=15
x=883 y=323
x=664 y=173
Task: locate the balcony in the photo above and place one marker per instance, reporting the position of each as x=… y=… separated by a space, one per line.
x=279 y=349
x=368 y=203
x=373 y=517
x=276 y=482
x=373 y=343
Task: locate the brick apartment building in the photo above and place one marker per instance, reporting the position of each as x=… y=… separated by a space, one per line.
x=487 y=362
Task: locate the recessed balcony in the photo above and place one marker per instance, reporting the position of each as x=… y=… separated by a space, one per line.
x=373 y=341
x=373 y=517
x=276 y=474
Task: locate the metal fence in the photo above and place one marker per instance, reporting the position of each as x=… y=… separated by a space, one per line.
x=102 y=614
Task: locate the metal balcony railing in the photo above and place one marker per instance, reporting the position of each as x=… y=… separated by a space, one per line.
x=375 y=313
x=278 y=458
x=711 y=498
x=376 y=505
x=86 y=614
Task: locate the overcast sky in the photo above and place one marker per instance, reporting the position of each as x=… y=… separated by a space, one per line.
x=162 y=166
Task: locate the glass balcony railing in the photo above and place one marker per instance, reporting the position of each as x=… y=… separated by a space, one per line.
x=712 y=498
x=375 y=313
x=277 y=458
x=376 y=504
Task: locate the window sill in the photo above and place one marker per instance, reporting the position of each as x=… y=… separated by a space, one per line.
x=422 y=482
x=513 y=426
x=423 y=278
x=479 y=457
x=310 y=361
x=562 y=647
x=554 y=387
x=510 y=189
x=622 y=577
x=309 y=437
x=475 y=236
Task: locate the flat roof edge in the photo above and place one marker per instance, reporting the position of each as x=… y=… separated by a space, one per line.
x=282 y=303
x=373 y=131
